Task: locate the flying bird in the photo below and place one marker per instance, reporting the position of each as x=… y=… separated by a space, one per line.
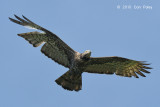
x=77 y=63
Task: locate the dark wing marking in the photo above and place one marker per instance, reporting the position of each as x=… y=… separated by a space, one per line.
x=119 y=66
x=54 y=47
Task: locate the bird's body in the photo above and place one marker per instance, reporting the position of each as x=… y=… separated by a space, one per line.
x=78 y=63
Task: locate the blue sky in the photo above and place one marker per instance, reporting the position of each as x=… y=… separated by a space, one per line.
x=27 y=76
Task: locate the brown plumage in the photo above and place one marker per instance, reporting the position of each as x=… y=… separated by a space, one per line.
x=70 y=81
x=77 y=63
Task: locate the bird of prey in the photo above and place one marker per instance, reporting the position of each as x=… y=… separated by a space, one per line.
x=77 y=63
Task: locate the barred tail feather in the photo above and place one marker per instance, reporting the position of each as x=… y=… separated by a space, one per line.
x=70 y=81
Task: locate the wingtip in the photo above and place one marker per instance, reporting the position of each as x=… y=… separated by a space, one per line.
x=136 y=77
x=23 y=16
x=148 y=67
x=12 y=18
x=147 y=72
x=19 y=34
x=144 y=65
x=9 y=18
x=15 y=15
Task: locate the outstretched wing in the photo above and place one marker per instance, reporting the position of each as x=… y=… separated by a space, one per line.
x=54 y=47
x=118 y=65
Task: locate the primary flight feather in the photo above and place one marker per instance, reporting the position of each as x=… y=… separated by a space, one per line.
x=78 y=63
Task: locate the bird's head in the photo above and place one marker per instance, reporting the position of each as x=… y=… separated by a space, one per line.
x=86 y=54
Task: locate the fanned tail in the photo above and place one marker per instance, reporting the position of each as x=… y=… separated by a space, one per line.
x=70 y=81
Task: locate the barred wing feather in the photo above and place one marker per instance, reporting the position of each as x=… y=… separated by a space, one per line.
x=118 y=65
x=54 y=47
